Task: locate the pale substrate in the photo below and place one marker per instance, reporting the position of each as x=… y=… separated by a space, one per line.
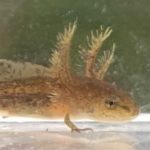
x=34 y=136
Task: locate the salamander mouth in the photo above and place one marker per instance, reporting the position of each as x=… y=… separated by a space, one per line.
x=126 y=108
x=131 y=113
x=133 y=110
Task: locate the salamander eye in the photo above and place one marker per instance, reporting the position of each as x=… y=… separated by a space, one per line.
x=110 y=104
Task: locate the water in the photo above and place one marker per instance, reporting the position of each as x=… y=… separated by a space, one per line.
x=28 y=32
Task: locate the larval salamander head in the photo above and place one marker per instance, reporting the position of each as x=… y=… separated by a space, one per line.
x=110 y=103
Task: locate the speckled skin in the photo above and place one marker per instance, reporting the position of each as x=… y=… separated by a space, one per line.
x=46 y=97
x=63 y=92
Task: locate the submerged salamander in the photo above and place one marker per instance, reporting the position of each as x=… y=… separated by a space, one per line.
x=63 y=93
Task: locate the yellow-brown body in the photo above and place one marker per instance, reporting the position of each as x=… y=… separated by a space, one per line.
x=47 y=98
x=62 y=92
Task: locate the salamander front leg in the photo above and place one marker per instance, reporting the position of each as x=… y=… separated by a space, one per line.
x=72 y=126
